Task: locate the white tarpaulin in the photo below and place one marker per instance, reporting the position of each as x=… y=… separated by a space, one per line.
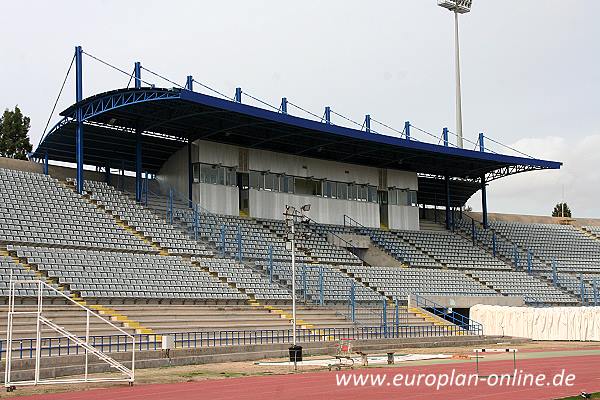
x=549 y=323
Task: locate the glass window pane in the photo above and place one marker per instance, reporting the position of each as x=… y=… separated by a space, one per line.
x=372 y=194
x=254 y=178
x=221 y=175
x=196 y=173
x=342 y=190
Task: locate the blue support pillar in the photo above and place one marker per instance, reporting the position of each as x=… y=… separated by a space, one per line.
x=529 y=261
x=484 y=208
x=138 y=165
x=352 y=303
x=189 y=83
x=122 y=175
x=107 y=174
x=384 y=316
x=328 y=115
x=595 y=288
x=284 y=103
x=190 y=174
x=447 y=179
x=170 y=206
x=304 y=283
x=321 y=294
x=368 y=123
x=239 y=243
x=494 y=243
x=238 y=95
x=582 y=289
x=445 y=136
x=397 y=317
x=196 y=222
x=79 y=115
x=407 y=130
x=137 y=71
x=483 y=189
x=270 y=263
x=223 y=240
x=554 y=273
x=46 y=163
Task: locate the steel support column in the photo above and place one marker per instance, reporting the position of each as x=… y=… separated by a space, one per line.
x=448 y=214
x=368 y=123
x=190 y=174
x=328 y=115
x=79 y=115
x=46 y=163
x=138 y=139
x=407 y=130
x=484 y=211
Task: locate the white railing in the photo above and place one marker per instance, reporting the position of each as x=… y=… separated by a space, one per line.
x=128 y=373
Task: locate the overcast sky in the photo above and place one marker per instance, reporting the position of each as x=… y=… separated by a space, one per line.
x=531 y=73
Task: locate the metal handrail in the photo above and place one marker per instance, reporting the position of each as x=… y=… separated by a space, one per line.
x=203 y=339
x=445 y=313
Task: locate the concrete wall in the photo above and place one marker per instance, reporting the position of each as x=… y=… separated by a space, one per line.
x=218 y=198
x=403 y=217
x=264 y=204
x=174 y=172
x=402 y=179
x=261 y=160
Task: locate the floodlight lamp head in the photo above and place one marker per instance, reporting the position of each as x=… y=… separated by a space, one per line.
x=459 y=6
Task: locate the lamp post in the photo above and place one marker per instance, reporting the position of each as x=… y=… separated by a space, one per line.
x=291 y=214
x=457 y=7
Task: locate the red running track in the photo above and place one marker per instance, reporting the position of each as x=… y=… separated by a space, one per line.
x=322 y=385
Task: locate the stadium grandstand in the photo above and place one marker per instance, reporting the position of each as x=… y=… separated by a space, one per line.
x=163 y=209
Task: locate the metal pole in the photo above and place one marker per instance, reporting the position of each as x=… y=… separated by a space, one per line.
x=384 y=316
x=223 y=240
x=190 y=173
x=328 y=115
x=79 y=115
x=397 y=316
x=368 y=123
x=407 y=130
x=459 y=130
x=189 y=85
x=321 y=295
x=239 y=240
x=352 y=302
x=304 y=283
x=582 y=289
x=447 y=178
x=46 y=163
x=284 y=103
x=294 y=283
x=270 y=263
x=238 y=95
x=138 y=144
x=445 y=136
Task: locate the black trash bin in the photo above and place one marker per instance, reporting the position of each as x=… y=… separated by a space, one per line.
x=295 y=353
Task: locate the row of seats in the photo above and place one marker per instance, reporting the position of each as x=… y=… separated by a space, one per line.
x=37 y=209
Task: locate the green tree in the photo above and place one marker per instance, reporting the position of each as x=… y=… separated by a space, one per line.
x=14 y=134
x=561 y=210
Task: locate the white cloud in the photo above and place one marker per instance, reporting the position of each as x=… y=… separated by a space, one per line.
x=537 y=192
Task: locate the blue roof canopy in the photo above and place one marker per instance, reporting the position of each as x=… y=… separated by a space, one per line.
x=168 y=118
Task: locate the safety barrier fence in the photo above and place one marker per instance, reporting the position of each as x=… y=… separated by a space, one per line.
x=61 y=346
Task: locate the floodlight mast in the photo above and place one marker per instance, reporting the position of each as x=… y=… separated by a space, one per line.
x=291 y=214
x=458 y=7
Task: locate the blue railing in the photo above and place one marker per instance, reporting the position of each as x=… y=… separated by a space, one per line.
x=458 y=320
x=54 y=347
